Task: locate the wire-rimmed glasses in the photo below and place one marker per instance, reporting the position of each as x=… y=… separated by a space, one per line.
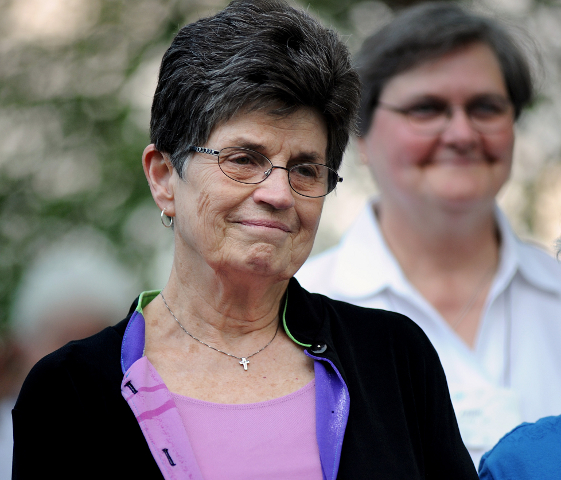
x=431 y=116
x=244 y=165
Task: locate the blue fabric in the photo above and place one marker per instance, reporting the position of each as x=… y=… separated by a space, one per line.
x=133 y=341
x=530 y=451
x=332 y=413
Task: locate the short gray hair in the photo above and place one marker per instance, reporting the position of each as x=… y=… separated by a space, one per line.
x=429 y=31
x=255 y=54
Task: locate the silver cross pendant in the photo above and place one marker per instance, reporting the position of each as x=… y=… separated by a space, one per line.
x=244 y=361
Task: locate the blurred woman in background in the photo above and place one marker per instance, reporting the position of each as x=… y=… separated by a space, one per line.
x=442 y=89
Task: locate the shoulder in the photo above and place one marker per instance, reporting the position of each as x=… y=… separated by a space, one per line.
x=359 y=318
x=97 y=349
x=71 y=413
x=535 y=255
x=77 y=366
x=538 y=267
x=362 y=339
x=544 y=431
x=384 y=334
x=385 y=348
x=382 y=330
x=531 y=450
x=539 y=276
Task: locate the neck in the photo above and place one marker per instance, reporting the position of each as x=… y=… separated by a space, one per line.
x=449 y=259
x=440 y=241
x=216 y=304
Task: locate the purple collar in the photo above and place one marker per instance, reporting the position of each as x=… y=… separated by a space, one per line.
x=332 y=402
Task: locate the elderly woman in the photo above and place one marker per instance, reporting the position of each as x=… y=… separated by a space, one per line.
x=233 y=370
x=442 y=88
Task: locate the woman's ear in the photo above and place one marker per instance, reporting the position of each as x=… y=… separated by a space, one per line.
x=159 y=172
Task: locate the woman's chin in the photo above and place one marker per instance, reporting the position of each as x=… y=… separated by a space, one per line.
x=463 y=201
x=461 y=193
x=262 y=264
x=464 y=188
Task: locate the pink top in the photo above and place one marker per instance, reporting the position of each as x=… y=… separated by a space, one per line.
x=275 y=439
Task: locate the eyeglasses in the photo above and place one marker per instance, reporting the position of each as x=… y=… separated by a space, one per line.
x=431 y=116
x=243 y=165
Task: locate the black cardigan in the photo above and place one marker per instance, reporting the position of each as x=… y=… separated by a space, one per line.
x=71 y=421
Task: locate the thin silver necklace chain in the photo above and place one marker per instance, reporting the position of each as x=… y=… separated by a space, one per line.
x=480 y=286
x=243 y=360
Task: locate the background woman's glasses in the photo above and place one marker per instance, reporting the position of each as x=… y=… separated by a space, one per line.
x=432 y=116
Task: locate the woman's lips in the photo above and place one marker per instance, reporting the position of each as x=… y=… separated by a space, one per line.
x=458 y=160
x=266 y=224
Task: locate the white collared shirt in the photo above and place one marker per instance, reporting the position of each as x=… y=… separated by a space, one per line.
x=513 y=373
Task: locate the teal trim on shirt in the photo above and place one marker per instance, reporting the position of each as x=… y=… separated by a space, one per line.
x=286 y=328
x=145 y=298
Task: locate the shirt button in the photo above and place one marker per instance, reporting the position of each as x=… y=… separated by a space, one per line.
x=319 y=347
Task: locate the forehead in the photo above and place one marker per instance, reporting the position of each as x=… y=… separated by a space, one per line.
x=303 y=130
x=469 y=70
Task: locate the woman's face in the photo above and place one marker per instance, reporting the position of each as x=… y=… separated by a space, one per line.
x=265 y=229
x=457 y=169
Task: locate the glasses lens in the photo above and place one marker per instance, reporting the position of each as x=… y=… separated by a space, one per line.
x=312 y=179
x=487 y=115
x=241 y=165
x=491 y=115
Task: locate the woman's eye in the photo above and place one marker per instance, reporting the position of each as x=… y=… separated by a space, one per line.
x=486 y=109
x=242 y=159
x=426 y=110
x=310 y=171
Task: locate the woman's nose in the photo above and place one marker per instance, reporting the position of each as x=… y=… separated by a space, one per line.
x=460 y=131
x=275 y=190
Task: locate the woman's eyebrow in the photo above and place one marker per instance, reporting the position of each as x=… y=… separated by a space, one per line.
x=302 y=157
x=491 y=96
x=308 y=157
x=424 y=97
x=258 y=147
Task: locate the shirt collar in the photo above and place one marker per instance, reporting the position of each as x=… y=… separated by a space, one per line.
x=365 y=265
x=531 y=262
x=145 y=298
x=132 y=346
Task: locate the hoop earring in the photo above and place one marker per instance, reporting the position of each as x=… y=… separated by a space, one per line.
x=167 y=225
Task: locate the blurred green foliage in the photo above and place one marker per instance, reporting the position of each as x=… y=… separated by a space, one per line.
x=76 y=80
x=72 y=131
